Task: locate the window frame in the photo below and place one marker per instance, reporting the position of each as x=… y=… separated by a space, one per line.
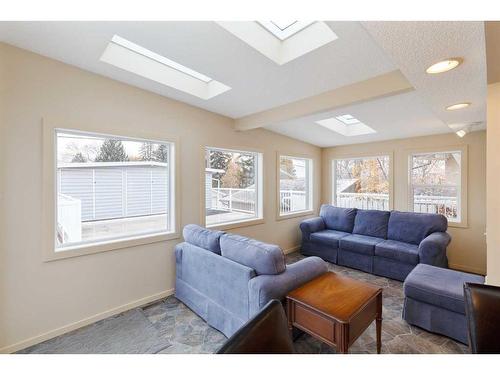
x=461 y=197
x=371 y=155
x=49 y=206
x=259 y=218
x=310 y=186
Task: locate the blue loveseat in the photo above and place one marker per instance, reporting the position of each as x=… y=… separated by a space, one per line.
x=385 y=243
x=226 y=279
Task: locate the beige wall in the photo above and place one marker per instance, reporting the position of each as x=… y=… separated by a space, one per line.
x=493 y=184
x=467 y=250
x=39 y=300
x=42 y=299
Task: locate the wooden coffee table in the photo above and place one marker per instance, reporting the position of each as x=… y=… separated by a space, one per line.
x=335 y=309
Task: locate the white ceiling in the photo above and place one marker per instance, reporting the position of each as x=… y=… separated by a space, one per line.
x=257 y=83
x=398 y=116
x=414 y=46
x=362 y=51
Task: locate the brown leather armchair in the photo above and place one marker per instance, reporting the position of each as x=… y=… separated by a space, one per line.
x=266 y=333
x=482 y=309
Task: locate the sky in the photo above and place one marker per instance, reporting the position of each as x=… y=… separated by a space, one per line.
x=87 y=141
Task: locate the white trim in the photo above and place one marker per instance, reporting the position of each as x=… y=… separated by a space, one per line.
x=291 y=249
x=259 y=189
x=309 y=172
x=84 y=322
x=49 y=209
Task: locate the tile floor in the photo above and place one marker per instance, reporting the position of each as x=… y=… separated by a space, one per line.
x=184 y=332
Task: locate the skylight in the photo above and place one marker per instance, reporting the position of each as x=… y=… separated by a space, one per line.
x=348 y=119
x=281 y=41
x=161 y=59
x=134 y=58
x=346 y=125
x=284 y=29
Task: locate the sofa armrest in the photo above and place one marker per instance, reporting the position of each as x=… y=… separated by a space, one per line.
x=312 y=225
x=432 y=249
x=264 y=288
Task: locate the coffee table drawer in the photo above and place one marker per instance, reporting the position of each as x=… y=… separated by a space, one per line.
x=316 y=323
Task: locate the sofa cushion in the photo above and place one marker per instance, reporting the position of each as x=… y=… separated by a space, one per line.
x=371 y=223
x=396 y=250
x=265 y=259
x=202 y=237
x=413 y=227
x=439 y=286
x=360 y=244
x=336 y=218
x=328 y=237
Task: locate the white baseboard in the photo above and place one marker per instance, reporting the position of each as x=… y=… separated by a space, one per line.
x=461 y=267
x=84 y=322
x=291 y=249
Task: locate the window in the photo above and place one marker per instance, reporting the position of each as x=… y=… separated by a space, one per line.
x=136 y=59
x=295 y=187
x=346 y=125
x=111 y=188
x=435 y=183
x=233 y=186
x=285 y=29
x=362 y=182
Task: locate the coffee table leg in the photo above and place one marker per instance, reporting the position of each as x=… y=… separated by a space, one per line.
x=289 y=316
x=378 y=323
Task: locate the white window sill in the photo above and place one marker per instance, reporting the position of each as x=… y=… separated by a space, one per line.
x=98 y=247
x=457 y=224
x=295 y=214
x=236 y=224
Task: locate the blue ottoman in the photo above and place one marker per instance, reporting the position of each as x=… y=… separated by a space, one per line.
x=434 y=300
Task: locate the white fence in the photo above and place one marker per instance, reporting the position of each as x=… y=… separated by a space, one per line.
x=292 y=201
x=421 y=203
x=243 y=200
x=365 y=201
x=69 y=213
x=229 y=199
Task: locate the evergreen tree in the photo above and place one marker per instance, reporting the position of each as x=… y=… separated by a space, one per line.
x=146 y=151
x=78 y=158
x=160 y=154
x=112 y=150
x=247 y=170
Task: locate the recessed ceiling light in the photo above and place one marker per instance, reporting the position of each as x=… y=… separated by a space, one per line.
x=444 y=65
x=456 y=106
x=461 y=133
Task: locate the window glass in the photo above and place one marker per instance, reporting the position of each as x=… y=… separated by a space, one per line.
x=111 y=187
x=435 y=183
x=232 y=186
x=362 y=182
x=295 y=184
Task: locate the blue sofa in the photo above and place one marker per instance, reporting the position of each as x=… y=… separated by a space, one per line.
x=434 y=300
x=226 y=279
x=385 y=243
